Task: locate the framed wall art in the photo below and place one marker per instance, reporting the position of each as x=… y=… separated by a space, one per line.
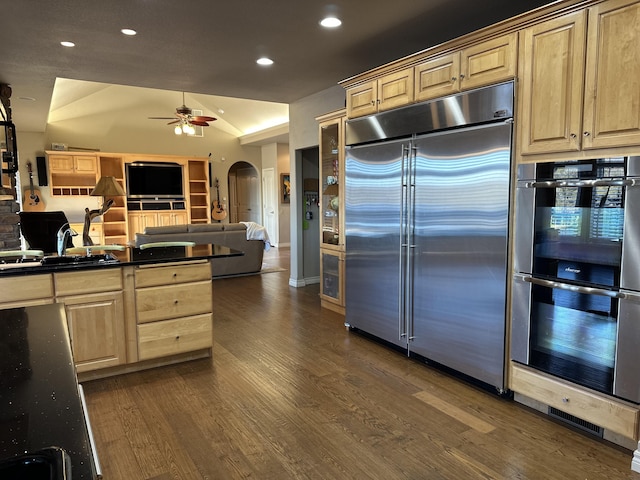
x=285 y=188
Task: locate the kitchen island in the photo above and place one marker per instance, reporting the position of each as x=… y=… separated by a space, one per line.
x=40 y=401
x=151 y=307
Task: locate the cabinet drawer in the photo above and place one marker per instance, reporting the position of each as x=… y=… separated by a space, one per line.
x=172 y=274
x=170 y=337
x=28 y=287
x=616 y=416
x=171 y=301
x=88 y=281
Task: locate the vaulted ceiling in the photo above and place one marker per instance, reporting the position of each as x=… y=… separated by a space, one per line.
x=209 y=48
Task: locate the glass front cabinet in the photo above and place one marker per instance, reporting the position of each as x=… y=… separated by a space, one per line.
x=331 y=209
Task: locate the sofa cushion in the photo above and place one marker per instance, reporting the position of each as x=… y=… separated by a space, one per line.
x=231 y=227
x=166 y=229
x=206 y=227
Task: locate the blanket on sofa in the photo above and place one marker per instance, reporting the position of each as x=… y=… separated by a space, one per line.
x=256 y=231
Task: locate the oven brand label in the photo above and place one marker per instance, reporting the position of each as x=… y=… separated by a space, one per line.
x=572 y=270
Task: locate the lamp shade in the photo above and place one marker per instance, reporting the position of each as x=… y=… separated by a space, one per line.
x=108 y=187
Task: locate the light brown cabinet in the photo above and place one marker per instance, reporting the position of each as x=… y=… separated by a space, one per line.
x=389 y=91
x=332 y=245
x=199 y=192
x=26 y=290
x=115 y=228
x=613 y=414
x=174 y=309
x=475 y=66
x=72 y=174
x=612 y=84
x=94 y=306
x=579 y=87
x=138 y=221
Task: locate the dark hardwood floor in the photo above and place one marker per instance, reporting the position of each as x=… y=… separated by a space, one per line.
x=291 y=394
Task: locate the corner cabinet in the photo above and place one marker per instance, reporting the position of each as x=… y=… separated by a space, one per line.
x=579 y=87
x=332 y=244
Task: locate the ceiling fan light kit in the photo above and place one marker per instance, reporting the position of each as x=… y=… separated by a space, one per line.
x=185 y=120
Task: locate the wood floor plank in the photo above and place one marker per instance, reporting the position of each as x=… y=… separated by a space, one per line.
x=291 y=394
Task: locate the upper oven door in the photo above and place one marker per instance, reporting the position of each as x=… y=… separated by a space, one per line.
x=571 y=219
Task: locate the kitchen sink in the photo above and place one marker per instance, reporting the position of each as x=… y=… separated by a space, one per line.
x=51 y=463
x=79 y=259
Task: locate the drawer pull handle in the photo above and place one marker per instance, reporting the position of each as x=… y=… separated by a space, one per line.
x=177 y=337
x=175 y=275
x=565 y=400
x=175 y=302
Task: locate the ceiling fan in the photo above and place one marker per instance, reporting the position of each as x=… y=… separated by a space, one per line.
x=185 y=120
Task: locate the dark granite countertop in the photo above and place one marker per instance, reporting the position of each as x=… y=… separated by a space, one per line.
x=40 y=404
x=130 y=256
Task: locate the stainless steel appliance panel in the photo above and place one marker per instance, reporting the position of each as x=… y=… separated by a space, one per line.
x=373 y=210
x=524 y=226
x=630 y=268
x=520 y=318
x=460 y=265
x=478 y=106
x=627 y=374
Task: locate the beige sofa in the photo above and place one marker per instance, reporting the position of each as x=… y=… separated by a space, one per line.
x=232 y=235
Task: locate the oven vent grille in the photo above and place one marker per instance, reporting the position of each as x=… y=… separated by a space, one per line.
x=576 y=422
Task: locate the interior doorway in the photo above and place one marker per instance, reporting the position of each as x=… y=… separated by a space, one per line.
x=244 y=193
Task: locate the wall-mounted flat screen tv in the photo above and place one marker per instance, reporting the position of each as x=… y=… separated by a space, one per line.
x=151 y=180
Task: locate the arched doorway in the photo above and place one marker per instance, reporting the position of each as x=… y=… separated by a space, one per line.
x=244 y=193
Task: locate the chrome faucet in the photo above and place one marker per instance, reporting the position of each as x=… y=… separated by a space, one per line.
x=63 y=235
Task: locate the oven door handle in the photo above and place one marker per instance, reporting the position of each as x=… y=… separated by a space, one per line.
x=574 y=288
x=630 y=182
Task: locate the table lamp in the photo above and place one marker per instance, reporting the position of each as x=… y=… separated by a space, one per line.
x=106 y=187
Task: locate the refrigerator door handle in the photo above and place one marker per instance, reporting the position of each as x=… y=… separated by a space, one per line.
x=404 y=243
x=411 y=160
x=631 y=182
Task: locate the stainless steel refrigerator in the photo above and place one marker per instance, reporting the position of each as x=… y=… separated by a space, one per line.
x=426 y=217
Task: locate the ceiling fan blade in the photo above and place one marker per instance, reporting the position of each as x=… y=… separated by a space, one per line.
x=199 y=123
x=161 y=118
x=175 y=121
x=201 y=118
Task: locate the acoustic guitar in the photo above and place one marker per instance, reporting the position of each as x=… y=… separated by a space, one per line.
x=32 y=200
x=218 y=212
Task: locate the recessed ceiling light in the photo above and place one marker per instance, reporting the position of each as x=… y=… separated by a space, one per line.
x=330 y=22
x=128 y=31
x=28 y=99
x=264 y=61
x=67 y=44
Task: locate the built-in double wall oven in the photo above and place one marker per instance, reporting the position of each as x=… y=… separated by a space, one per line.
x=576 y=287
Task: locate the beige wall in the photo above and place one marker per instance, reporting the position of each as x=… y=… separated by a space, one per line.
x=105 y=133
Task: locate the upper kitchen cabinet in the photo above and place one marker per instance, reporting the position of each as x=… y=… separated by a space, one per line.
x=612 y=84
x=482 y=64
x=579 y=84
x=72 y=174
x=389 y=91
x=551 y=73
x=331 y=128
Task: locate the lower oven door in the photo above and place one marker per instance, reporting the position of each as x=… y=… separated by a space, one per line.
x=585 y=335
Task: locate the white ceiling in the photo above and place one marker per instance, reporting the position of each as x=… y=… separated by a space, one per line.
x=208 y=49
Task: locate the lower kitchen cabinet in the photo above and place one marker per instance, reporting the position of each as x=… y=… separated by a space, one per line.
x=96 y=327
x=26 y=291
x=332 y=280
x=174 y=308
x=170 y=337
x=94 y=304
